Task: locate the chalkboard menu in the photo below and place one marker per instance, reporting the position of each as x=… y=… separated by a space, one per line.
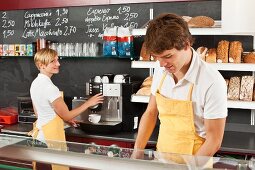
x=71 y=24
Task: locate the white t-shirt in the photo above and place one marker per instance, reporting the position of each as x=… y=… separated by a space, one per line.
x=43 y=92
x=209 y=95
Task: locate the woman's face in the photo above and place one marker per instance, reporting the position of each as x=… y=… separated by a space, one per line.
x=52 y=67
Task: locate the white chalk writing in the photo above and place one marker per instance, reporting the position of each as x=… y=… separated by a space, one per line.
x=97 y=19
x=8 y=24
x=43 y=24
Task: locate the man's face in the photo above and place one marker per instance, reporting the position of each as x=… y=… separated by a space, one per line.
x=173 y=60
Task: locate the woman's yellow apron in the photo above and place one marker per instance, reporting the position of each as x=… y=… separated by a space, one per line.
x=53 y=131
x=177 y=132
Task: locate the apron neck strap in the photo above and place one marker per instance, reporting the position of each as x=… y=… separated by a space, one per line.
x=190 y=92
x=161 y=82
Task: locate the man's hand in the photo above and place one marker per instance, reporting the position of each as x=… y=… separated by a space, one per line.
x=137 y=154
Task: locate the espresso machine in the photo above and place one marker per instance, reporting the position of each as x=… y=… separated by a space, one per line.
x=117 y=111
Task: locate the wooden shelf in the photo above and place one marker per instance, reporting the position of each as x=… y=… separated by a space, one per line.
x=231 y=103
x=218 y=66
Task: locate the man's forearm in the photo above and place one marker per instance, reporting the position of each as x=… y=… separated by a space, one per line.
x=146 y=127
x=209 y=147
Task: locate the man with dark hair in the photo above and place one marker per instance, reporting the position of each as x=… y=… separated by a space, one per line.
x=183 y=93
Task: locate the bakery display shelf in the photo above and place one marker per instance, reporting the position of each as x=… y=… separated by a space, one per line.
x=140 y=98
x=193 y=31
x=143 y=64
x=234 y=66
x=237 y=104
x=231 y=103
x=137 y=32
x=214 y=30
x=218 y=66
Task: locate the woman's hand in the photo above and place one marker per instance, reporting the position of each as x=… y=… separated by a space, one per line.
x=94 y=100
x=73 y=123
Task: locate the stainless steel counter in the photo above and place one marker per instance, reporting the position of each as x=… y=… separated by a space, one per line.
x=233 y=142
x=91 y=156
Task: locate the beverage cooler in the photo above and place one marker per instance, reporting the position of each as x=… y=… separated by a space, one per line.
x=90 y=156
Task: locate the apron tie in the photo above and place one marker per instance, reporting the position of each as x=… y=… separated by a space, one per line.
x=34 y=132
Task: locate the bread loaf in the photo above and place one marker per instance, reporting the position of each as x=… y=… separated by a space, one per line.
x=145 y=91
x=235 y=52
x=201 y=21
x=249 y=58
x=210 y=57
x=147 y=82
x=145 y=88
x=144 y=55
x=253 y=93
x=234 y=88
x=222 y=51
x=227 y=82
x=186 y=18
x=202 y=52
x=246 y=90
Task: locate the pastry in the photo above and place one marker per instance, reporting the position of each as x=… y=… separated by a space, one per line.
x=227 y=82
x=246 y=90
x=234 y=88
x=235 y=52
x=145 y=91
x=222 y=51
x=210 y=57
x=147 y=82
x=201 y=21
x=249 y=58
x=202 y=52
x=186 y=18
x=144 y=55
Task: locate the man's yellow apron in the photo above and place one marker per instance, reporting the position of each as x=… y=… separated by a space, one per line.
x=177 y=132
x=53 y=131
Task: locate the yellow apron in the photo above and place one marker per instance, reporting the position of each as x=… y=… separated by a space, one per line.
x=177 y=132
x=53 y=131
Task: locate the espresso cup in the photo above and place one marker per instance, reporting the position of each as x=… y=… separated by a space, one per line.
x=94 y=118
x=97 y=79
x=105 y=79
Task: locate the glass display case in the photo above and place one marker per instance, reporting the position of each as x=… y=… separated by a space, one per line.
x=91 y=156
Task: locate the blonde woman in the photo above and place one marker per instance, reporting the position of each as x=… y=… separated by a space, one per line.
x=49 y=105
